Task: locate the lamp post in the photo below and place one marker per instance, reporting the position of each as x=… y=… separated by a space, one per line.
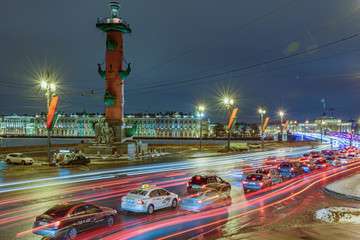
x=49 y=88
x=339 y=121
x=228 y=102
x=321 y=131
x=262 y=112
x=306 y=122
x=201 y=110
x=281 y=113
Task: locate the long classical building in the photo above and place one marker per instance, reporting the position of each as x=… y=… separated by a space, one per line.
x=168 y=125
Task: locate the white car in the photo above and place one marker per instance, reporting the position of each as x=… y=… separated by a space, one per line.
x=18 y=158
x=148 y=198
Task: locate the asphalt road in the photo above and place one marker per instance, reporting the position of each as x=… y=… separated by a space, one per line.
x=21 y=201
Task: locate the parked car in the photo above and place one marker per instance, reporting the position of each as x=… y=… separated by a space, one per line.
x=77 y=160
x=323 y=163
x=198 y=199
x=209 y=181
x=273 y=174
x=66 y=220
x=18 y=158
x=256 y=181
x=148 y=198
x=291 y=169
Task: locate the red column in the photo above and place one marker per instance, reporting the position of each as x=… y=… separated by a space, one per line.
x=113 y=83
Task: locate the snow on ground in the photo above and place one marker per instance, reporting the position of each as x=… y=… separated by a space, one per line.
x=349 y=186
x=339 y=214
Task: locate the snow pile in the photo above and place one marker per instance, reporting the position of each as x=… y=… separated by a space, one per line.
x=348 y=186
x=339 y=214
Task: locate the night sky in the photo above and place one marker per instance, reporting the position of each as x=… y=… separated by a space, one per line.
x=286 y=55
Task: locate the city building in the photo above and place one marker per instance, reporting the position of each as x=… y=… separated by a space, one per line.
x=168 y=125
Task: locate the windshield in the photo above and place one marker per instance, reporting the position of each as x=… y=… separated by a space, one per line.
x=264 y=171
x=58 y=211
x=286 y=165
x=138 y=192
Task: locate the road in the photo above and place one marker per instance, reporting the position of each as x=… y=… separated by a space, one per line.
x=21 y=201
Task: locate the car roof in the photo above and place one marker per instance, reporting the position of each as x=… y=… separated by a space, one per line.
x=16 y=153
x=72 y=203
x=148 y=188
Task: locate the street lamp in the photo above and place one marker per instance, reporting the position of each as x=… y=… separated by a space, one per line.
x=228 y=102
x=262 y=112
x=201 y=114
x=49 y=89
x=281 y=113
x=339 y=121
x=321 y=131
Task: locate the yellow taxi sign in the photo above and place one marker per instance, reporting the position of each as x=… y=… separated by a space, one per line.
x=145 y=186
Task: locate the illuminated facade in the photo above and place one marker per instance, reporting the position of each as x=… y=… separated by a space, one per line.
x=169 y=125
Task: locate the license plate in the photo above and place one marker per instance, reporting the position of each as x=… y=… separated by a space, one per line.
x=196 y=186
x=43 y=223
x=251 y=183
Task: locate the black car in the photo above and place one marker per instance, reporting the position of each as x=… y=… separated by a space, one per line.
x=291 y=169
x=256 y=181
x=77 y=160
x=273 y=174
x=209 y=181
x=67 y=219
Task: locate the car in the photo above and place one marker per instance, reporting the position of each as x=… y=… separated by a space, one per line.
x=327 y=153
x=209 y=181
x=273 y=174
x=306 y=155
x=323 y=163
x=334 y=161
x=308 y=166
x=344 y=159
x=147 y=199
x=315 y=157
x=291 y=169
x=352 y=156
x=76 y=160
x=67 y=219
x=198 y=199
x=256 y=181
x=18 y=158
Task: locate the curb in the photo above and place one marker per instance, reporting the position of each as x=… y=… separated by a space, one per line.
x=326 y=190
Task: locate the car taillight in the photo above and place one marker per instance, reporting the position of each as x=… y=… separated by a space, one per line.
x=57 y=223
x=308 y=165
x=292 y=169
x=261 y=183
x=199 y=201
x=244 y=182
x=179 y=199
x=140 y=202
x=203 y=186
x=279 y=168
x=187 y=184
x=324 y=165
x=122 y=199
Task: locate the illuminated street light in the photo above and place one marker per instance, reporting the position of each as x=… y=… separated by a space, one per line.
x=228 y=102
x=262 y=112
x=49 y=89
x=201 y=114
x=339 y=121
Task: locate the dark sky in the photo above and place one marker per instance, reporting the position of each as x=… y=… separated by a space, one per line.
x=185 y=52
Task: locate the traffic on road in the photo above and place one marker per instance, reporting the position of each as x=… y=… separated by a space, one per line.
x=173 y=201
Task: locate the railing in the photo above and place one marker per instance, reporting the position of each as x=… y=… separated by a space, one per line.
x=105 y=20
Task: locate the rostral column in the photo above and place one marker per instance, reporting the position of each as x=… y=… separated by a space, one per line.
x=114 y=75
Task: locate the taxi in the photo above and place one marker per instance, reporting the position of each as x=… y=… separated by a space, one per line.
x=67 y=219
x=148 y=199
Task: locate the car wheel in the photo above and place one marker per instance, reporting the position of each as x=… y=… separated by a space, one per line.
x=245 y=190
x=174 y=203
x=150 y=209
x=72 y=233
x=22 y=162
x=8 y=161
x=110 y=221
